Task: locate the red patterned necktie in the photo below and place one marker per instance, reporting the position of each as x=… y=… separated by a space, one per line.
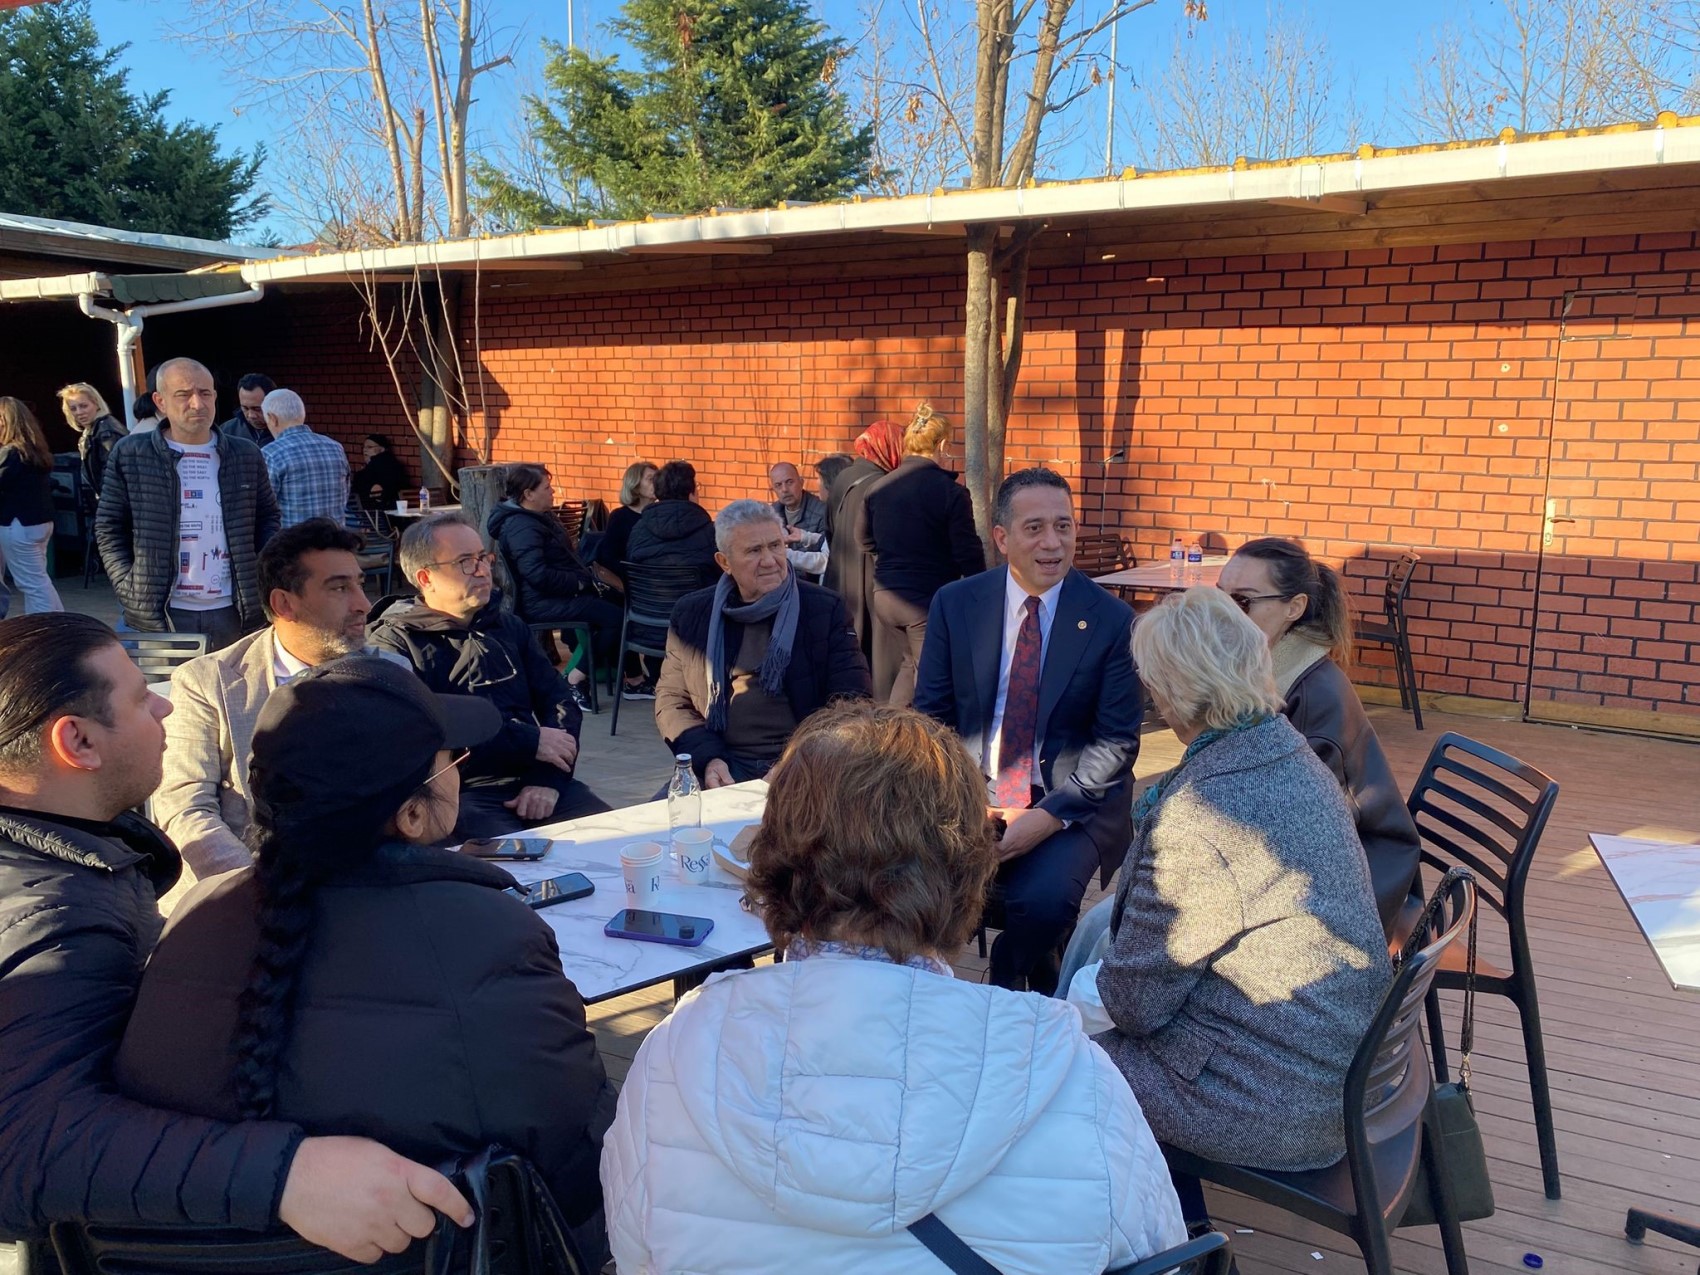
x=1020 y=716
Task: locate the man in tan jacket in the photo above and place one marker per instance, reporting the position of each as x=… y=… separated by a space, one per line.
x=310 y=583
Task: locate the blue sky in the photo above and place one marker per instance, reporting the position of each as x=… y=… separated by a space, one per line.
x=1372 y=46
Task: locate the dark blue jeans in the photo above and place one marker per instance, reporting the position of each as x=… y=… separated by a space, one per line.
x=1041 y=894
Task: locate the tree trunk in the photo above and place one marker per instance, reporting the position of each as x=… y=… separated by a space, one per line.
x=480 y=492
x=436 y=389
x=386 y=110
x=978 y=341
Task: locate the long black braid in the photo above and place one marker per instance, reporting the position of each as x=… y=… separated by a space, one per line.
x=297 y=843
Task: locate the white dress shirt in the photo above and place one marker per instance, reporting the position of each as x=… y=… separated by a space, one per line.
x=284 y=665
x=1014 y=612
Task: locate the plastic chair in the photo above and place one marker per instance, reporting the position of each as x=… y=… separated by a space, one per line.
x=377 y=564
x=157 y=654
x=1207 y=1254
x=1476 y=806
x=651 y=593
x=1391 y=629
x=1393 y=1147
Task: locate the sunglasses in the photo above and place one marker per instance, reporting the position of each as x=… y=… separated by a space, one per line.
x=1244 y=600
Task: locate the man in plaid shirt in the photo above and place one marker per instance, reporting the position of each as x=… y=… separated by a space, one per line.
x=308 y=471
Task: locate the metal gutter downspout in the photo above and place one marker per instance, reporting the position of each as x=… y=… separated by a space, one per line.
x=129 y=325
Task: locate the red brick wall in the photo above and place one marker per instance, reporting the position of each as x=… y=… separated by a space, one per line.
x=1367 y=401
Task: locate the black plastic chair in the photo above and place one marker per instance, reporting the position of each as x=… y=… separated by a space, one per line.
x=1392 y=629
x=651 y=592
x=158 y=654
x=1393 y=1145
x=377 y=564
x=1207 y=1254
x=1476 y=806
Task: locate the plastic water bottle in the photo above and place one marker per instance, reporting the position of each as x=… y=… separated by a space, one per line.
x=1177 y=559
x=684 y=795
x=424 y=496
x=1194 y=562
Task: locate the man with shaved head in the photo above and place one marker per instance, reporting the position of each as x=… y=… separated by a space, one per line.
x=183 y=514
x=804 y=517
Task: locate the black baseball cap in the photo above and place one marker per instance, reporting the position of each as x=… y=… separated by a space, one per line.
x=362 y=726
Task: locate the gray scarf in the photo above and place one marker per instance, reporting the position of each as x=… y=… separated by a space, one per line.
x=781 y=606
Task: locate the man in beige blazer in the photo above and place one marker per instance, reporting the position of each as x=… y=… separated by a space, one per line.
x=310 y=583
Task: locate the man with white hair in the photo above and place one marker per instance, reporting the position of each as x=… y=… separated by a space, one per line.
x=751 y=657
x=309 y=472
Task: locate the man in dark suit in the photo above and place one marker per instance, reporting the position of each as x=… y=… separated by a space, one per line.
x=1030 y=664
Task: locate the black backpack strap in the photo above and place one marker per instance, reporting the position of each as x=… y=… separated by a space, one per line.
x=946 y=1245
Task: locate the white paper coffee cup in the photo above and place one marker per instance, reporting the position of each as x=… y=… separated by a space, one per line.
x=642 y=865
x=693 y=852
x=401 y=506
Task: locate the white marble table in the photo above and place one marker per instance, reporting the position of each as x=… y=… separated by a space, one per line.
x=601 y=967
x=1660 y=881
x=1158 y=577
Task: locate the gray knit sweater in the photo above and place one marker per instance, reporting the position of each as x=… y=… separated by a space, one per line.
x=1247 y=958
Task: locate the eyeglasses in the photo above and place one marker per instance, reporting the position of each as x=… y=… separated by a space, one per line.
x=1244 y=600
x=469 y=562
x=459 y=757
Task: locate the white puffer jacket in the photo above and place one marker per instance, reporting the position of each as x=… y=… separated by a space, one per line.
x=799 y=1116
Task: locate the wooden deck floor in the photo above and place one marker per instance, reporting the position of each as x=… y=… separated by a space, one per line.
x=1623 y=1048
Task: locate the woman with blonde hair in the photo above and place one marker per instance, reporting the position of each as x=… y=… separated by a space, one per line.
x=97 y=430
x=822 y=1113
x=920 y=527
x=26 y=508
x=637 y=493
x=1246 y=959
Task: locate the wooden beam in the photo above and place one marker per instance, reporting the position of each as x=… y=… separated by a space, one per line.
x=1341 y=204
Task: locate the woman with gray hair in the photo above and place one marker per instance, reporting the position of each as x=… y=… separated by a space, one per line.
x=751 y=657
x=1246 y=957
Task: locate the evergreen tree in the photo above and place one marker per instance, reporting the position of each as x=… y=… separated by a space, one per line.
x=735 y=105
x=76 y=144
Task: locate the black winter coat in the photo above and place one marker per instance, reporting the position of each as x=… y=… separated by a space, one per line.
x=1325 y=709
x=826 y=664
x=136 y=525
x=79 y=914
x=26 y=493
x=921 y=529
x=540 y=558
x=675 y=533
x=431 y=1015
x=94 y=445
x=495 y=656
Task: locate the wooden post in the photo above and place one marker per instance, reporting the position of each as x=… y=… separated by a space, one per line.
x=480 y=492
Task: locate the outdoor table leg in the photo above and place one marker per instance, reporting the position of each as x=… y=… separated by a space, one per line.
x=1640 y=1221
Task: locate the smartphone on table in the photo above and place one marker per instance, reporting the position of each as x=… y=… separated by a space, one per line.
x=659 y=927
x=520 y=849
x=561 y=889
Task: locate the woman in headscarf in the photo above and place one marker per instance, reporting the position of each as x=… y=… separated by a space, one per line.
x=850 y=572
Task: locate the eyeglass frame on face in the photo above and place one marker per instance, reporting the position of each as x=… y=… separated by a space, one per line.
x=469 y=563
x=459 y=759
x=1245 y=601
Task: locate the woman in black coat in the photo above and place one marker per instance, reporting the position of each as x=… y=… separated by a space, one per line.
x=551 y=582
x=920 y=527
x=97 y=430
x=358 y=980
x=382 y=480
x=1298 y=604
x=26 y=508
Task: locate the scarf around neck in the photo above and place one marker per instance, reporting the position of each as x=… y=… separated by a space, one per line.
x=782 y=607
x=1149 y=799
